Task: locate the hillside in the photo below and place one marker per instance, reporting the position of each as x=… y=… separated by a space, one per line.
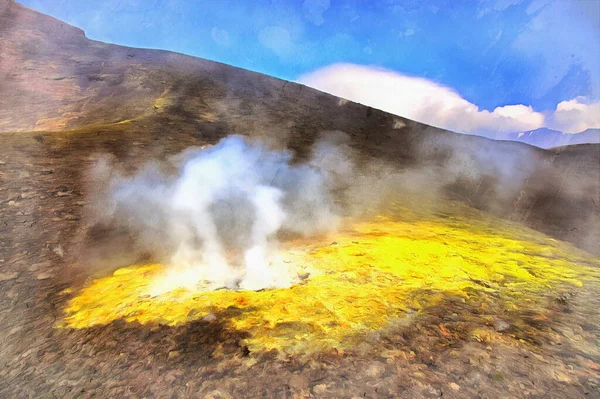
x=55 y=79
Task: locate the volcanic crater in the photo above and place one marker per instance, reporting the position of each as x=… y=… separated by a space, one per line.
x=476 y=277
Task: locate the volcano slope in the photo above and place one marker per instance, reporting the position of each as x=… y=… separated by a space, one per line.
x=480 y=280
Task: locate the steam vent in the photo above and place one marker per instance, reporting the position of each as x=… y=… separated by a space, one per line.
x=173 y=227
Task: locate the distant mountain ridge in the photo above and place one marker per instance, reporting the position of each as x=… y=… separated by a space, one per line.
x=548 y=138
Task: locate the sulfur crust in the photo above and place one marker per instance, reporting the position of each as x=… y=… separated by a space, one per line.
x=374 y=274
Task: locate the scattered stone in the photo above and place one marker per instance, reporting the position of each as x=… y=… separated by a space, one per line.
x=37 y=266
x=454 y=386
x=501 y=325
x=8 y=276
x=217 y=394
x=81 y=203
x=59 y=251
x=174 y=354
x=432 y=391
x=303 y=275
x=44 y=276
x=27 y=195
x=564 y=297
x=398 y=124
x=64 y=193
x=319 y=389
x=12 y=203
x=69 y=383
x=15 y=330
x=2 y=163
x=563 y=377
x=210 y=317
x=376 y=369
x=298 y=381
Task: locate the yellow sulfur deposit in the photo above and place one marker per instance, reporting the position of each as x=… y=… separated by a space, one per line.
x=363 y=279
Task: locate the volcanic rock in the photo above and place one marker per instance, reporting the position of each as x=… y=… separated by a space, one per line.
x=501 y=325
x=44 y=276
x=320 y=389
x=37 y=266
x=8 y=276
x=375 y=369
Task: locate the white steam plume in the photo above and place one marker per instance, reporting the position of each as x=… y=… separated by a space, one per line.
x=218 y=216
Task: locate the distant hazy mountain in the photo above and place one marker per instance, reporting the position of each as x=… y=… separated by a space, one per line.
x=548 y=138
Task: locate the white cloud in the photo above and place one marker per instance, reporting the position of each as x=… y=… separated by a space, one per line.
x=314 y=9
x=220 y=36
x=429 y=102
x=576 y=115
x=418 y=99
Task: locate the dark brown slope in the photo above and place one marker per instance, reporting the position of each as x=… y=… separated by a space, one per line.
x=65 y=100
x=52 y=78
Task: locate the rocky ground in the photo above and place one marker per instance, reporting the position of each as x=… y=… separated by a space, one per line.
x=42 y=203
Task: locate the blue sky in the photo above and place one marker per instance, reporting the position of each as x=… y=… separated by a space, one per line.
x=494 y=53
